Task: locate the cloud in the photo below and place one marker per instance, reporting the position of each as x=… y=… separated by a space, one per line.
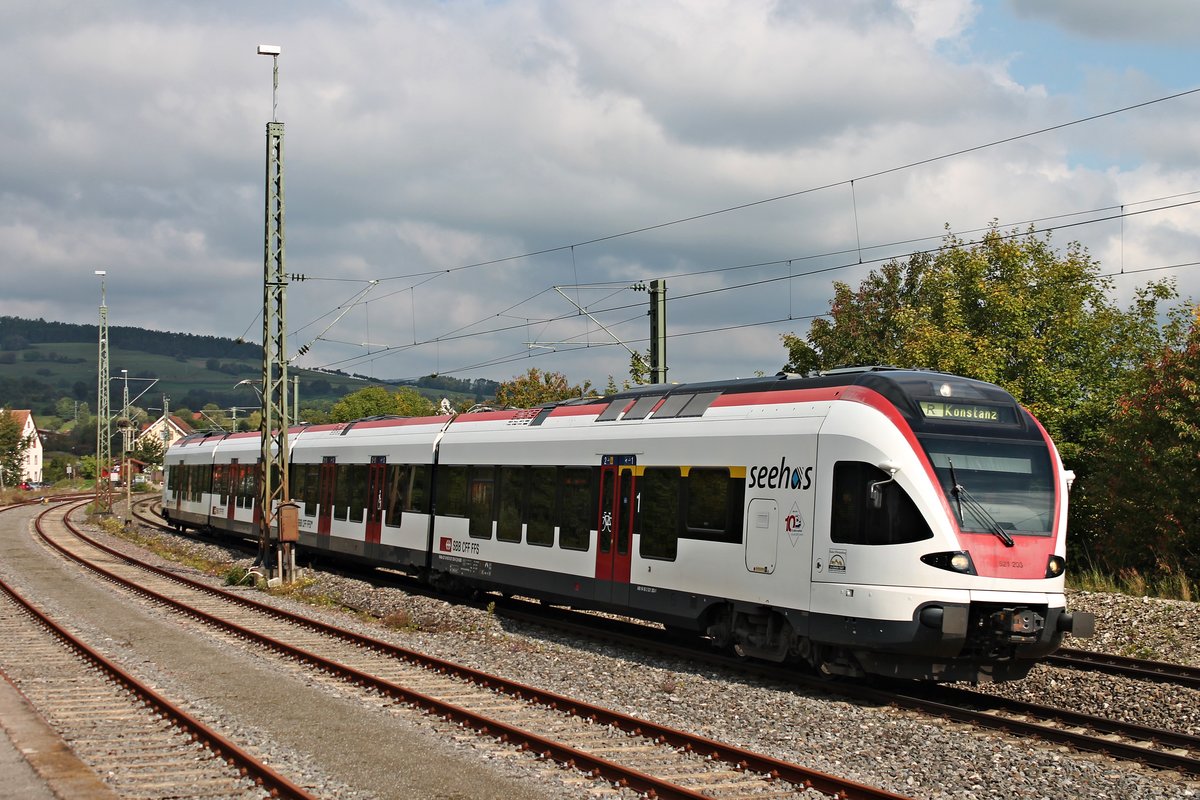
x=1175 y=22
x=423 y=138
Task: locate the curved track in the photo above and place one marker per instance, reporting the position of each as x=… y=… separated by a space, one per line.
x=629 y=752
x=1163 y=749
x=102 y=710
x=1154 y=747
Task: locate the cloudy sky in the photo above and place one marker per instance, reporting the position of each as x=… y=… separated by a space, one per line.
x=495 y=165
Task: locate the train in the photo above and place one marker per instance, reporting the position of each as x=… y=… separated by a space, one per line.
x=863 y=522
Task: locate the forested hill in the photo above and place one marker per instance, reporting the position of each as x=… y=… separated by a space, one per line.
x=17 y=334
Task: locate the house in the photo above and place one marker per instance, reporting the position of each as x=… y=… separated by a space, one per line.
x=31 y=461
x=167 y=429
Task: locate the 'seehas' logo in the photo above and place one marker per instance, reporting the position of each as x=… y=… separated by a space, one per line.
x=781 y=477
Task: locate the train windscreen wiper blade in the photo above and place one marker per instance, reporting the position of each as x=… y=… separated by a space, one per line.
x=962 y=496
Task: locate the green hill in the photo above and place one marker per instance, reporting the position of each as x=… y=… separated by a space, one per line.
x=44 y=363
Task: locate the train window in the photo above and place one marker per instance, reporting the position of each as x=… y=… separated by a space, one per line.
x=699 y=404
x=577 y=507
x=658 y=512
x=358 y=491
x=641 y=409
x=393 y=498
x=714 y=505
x=856 y=519
x=341 y=492
x=295 y=481
x=512 y=503
x=247 y=486
x=539 y=513
x=311 y=473
x=672 y=406
x=452 y=491
x=481 y=495
x=221 y=483
x=416 y=498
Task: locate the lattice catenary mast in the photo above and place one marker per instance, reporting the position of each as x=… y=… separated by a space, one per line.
x=104 y=499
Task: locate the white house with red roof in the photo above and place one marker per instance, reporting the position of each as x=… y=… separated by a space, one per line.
x=32 y=459
x=167 y=429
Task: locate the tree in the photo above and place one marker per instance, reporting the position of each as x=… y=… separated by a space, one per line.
x=1138 y=504
x=536 y=387
x=1009 y=309
x=12 y=448
x=373 y=401
x=411 y=403
x=149 y=450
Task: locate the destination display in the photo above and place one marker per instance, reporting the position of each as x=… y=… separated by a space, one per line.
x=964 y=411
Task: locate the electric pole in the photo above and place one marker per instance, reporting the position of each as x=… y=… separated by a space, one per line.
x=658 y=331
x=103 y=500
x=273 y=493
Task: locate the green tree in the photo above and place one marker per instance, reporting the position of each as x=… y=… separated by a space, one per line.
x=1138 y=505
x=1009 y=309
x=411 y=403
x=373 y=401
x=536 y=387
x=149 y=450
x=12 y=448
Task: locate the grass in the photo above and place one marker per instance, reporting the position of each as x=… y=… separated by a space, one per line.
x=1170 y=583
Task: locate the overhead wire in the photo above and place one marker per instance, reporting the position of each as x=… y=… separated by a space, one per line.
x=432 y=274
x=458 y=334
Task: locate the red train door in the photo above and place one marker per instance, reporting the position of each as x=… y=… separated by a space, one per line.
x=376 y=485
x=615 y=529
x=326 y=483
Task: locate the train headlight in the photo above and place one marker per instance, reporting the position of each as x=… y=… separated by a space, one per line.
x=1056 y=566
x=954 y=561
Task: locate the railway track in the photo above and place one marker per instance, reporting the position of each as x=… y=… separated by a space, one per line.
x=651 y=759
x=1163 y=749
x=1154 y=747
x=142 y=743
x=1159 y=671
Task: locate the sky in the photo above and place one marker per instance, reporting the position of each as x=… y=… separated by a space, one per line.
x=476 y=188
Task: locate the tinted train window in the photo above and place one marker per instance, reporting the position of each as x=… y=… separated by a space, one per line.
x=658 y=512
x=393 y=497
x=341 y=493
x=859 y=519
x=358 y=490
x=539 y=514
x=452 y=491
x=512 y=503
x=309 y=482
x=416 y=496
x=577 y=507
x=714 y=505
x=247 y=485
x=481 y=494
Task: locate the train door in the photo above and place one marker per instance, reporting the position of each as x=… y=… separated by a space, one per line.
x=615 y=529
x=326 y=483
x=376 y=486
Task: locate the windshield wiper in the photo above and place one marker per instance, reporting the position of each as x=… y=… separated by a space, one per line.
x=961 y=496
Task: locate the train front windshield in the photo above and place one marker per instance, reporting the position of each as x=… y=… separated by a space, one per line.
x=991 y=483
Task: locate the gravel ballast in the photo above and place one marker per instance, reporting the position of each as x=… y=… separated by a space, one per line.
x=901 y=751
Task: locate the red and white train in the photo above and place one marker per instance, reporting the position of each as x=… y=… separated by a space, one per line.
x=871 y=521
